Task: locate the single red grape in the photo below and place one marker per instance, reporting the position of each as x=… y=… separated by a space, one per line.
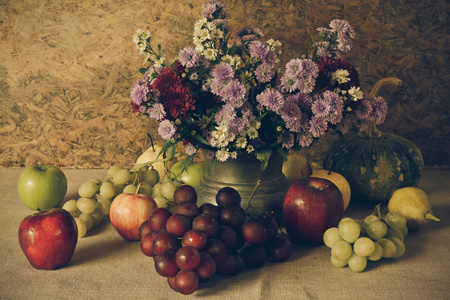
x=207 y=224
x=209 y=209
x=195 y=238
x=207 y=267
x=187 y=208
x=279 y=249
x=165 y=264
x=178 y=224
x=254 y=256
x=186 y=282
x=146 y=244
x=158 y=218
x=216 y=249
x=184 y=193
x=187 y=258
x=164 y=241
x=233 y=216
x=228 y=236
x=228 y=196
x=254 y=232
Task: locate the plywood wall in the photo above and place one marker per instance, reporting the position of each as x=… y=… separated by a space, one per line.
x=66 y=68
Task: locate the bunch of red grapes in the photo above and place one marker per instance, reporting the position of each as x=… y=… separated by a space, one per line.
x=194 y=243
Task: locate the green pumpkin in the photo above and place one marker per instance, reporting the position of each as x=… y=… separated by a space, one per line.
x=375 y=167
x=375 y=164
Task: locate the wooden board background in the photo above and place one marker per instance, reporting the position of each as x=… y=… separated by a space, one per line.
x=66 y=68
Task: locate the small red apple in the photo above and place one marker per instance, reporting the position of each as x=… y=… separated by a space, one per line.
x=128 y=212
x=310 y=207
x=48 y=238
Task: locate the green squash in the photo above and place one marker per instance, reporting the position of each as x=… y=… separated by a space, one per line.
x=375 y=164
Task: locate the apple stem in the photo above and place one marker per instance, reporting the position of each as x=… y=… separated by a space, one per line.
x=137 y=188
x=249 y=205
x=430 y=216
x=151 y=141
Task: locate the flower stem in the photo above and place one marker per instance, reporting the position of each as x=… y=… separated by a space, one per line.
x=249 y=205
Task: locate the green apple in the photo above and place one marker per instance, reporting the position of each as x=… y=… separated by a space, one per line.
x=192 y=175
x=42 y=187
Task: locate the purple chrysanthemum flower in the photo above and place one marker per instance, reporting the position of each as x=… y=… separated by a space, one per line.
x=306 y=139
x=223 y=72
x=271 y=98
x=166 y=129
x=380 y=108
x=294 y=67
x=210 y=7
x=217 y=86
x=304 y=101
x=189 y=57
x=226 y=114
x=190 y=149
x=318 y=126
x=234 y=93
x=288 y=140
x=264 y=73
x=139 y=93
x=291 y=115
x=364 y=110
x=248 y=33
x=289 y=83
x=236 y=125
x=337 y=106
x=157 y=112
x=321 y=107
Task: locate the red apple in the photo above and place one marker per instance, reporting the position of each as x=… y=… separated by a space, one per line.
x=128 y=212
x=48 y=238
x=310 y=207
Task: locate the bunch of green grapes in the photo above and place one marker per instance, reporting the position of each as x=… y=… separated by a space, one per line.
x=92 y=206
x=355 y=242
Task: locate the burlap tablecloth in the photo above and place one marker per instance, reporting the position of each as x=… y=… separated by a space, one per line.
x=104 y=266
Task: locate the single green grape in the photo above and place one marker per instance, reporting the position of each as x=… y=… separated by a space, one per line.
x=404 y=230
x=338 y=263
x=151 y=177
x=395 y=232
x=145 y=188
x=112 y=170
x=72 y=208
x=130 y=189
x=389 y=248
x=86 y=205
x=345 y=220
x=341 y=250
x=104 y=205
x=167 y=190
x=156 y=190
x=357 y=263
x=364 y=246
x=107 y=190
x=81 y=227
x=97 y=217
x=87 y=219
x=370 y=218
x=331 y=236
x=160 y=201
x=122 y=176
x=377 y=253
x=399 y=245
x=88 y=189
x=349 y=231
x=395 y=219
x=376 y=229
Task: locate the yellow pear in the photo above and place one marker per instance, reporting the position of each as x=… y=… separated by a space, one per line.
x=414 y=205
x=151 y=154
x=296 y=167
x=338 y=180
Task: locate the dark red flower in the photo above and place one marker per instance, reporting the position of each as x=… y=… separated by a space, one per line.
x=328 y=65
x=175 y=93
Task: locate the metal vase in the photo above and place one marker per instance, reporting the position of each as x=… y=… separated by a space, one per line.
x=243 y=174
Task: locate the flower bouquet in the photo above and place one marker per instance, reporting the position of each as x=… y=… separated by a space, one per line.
x=229 y=94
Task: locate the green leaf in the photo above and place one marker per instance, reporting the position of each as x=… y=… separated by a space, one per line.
x=187 y=162
x=199 y=138
x=167 y=145
x=143 y=70
x=263 y=156
x=232 y=50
